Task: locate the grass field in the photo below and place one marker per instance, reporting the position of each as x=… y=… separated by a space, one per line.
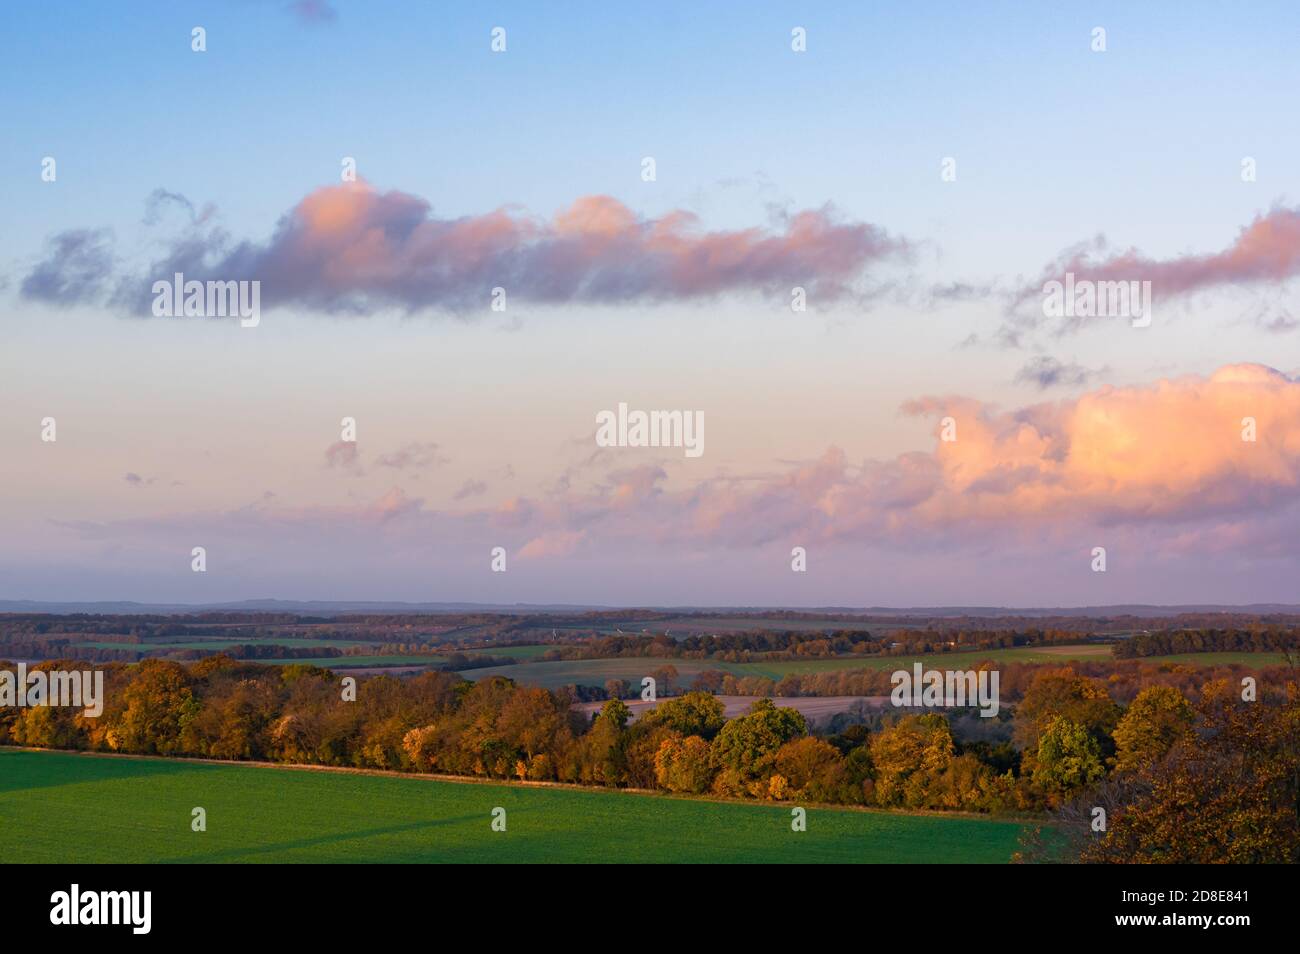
x=355 y=662
x=219 y=643
x=514 y=652
x=57 y=807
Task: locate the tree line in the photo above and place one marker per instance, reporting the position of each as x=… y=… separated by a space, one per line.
x=1224 y=768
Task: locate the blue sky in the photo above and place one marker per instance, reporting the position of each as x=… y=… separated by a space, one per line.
x=1054 y=144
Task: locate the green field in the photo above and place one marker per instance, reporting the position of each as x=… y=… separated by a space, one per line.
x=355 y=662
x=60 y=807
x=682 y=626
x=514 y=652
x=220 y=643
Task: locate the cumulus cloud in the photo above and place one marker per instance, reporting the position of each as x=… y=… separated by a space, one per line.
x=350 y=248
x=1163 y=463
x=76 y=269
x=1169 y=454
x=1169 y=451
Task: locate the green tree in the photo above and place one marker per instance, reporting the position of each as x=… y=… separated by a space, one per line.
x=696 y=713
x=1068 y=757
x=747 y=745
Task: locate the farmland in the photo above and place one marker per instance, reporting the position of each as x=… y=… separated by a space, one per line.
x=594 y=672
x=86 y=808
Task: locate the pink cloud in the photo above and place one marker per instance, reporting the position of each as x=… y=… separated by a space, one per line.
x=352 y=248
x=1163 y=463
x=1168 y=452
x=1266 y=251
x=558 y=544
x=394 y=503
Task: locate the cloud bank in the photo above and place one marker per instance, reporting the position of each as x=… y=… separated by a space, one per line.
x=1168 y=457
x=351 y=248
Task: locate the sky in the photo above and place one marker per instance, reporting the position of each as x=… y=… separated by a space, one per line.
x=920 y=172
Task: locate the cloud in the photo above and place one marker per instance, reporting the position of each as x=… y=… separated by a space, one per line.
x=558 y=544
x=395 y=503
x=135 y=480
x=1265 y=252
x=352 y=249
x=1166 y=452
x=1161 y=466
x=471 y=488
x=1277 y=323
x=76 y=269
x=343 y=455
x=1167 y=455
x=1046 y=372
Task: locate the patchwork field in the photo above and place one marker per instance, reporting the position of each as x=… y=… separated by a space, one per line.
x=62 y=807
x=594 y=672
x=355 y=662
x=219 y=643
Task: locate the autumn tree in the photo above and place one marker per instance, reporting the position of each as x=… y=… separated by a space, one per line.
x=1227 y=792
x=814 y=769
x=747 y=746
x=908 y=757
x=159 y=705
x=604 y=760
x=1062 y=693
x=684 y=765
x=696 y=713
x=1158 y=717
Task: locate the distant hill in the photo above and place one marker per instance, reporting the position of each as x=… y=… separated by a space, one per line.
x=342 y=607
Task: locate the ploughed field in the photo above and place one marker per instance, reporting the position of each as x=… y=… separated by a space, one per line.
x=64 y=807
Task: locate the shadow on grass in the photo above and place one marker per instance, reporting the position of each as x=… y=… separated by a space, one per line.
x=242 y=854
x=25 y=770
